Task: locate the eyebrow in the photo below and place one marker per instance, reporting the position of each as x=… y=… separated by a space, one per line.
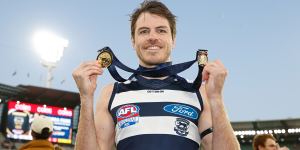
x=159 y=27
x=142 y=28
x=162 y=27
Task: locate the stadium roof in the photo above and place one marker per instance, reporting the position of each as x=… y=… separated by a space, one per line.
x=10 y=91
x=40 y=95
x=284 y=130
x=266 y=124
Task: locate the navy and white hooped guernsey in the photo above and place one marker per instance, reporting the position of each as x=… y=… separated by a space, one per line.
x=151 y=114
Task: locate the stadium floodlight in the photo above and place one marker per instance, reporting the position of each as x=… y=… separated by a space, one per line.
x=50 y=47
x=270 y=131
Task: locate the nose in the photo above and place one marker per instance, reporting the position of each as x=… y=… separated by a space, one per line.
x=153 y=37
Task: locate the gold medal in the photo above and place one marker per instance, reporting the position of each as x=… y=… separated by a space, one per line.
x=105 y=58
x=202 y=57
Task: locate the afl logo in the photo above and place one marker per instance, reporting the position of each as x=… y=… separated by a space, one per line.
x=127 y=115
x=128 y=111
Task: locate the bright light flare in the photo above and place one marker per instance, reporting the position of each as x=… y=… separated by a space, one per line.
x=49 y=46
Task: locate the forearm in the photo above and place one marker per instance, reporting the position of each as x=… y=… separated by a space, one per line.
x=223 y=135
x=86 y=136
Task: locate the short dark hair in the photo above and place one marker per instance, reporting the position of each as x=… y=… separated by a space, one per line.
x=43 y=136
x=157 y=8
x=260 y=140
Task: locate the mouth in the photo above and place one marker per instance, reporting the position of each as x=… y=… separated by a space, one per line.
x=152 y=47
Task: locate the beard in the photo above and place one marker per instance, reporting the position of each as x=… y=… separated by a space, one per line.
x=153 y=52
x=149 y=58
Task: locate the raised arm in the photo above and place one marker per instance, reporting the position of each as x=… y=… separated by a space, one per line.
x=223 y=137
x=85 y=77
x=205 y=122
x=105 y=128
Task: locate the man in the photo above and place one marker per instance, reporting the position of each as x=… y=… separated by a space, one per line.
x=42 y=128
x=153 y=113
x=266 y=142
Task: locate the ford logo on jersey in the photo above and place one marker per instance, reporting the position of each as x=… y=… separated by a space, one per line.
x=182 y=110
x=127 y=115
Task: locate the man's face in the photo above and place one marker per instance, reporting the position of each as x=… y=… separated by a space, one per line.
x=152 y=39
x=270 y=144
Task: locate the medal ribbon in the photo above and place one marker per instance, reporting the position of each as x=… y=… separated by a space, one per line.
x=165 y=69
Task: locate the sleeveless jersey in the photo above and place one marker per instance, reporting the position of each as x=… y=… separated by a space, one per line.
x=151 y=114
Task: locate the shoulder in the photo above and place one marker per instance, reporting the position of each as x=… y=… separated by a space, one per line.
x=107 y=89
x=105 y=95
x=36 y=144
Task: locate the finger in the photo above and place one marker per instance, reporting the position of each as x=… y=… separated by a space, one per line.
x=90 y=63
x=93 y=78
x=92 y=72
x=219 y=63
x=216 y=66
x=205 y=73
x=221 y=67
x=87 y=71
x=92 y=68
x=209 y=69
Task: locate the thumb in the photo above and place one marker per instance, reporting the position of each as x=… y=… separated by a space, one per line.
x=93 y=78
x=205 y=74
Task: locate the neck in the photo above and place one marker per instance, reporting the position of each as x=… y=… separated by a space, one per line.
x=154 y=67
x=149 y=65
x=143 y=66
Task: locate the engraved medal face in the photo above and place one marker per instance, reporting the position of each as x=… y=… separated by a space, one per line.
x=104 y=58
x=202 y=57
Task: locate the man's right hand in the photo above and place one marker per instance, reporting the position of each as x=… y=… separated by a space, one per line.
x=85 y=77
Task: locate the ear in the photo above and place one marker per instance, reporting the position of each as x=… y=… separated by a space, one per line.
x=174 y=43
x=132 y=42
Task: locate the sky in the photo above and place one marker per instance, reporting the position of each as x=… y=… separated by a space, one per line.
x=258 y=42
